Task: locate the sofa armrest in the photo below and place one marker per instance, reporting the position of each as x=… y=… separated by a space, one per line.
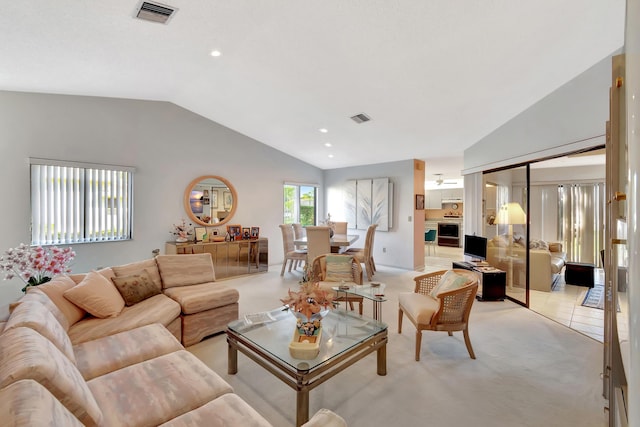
x=325 y=418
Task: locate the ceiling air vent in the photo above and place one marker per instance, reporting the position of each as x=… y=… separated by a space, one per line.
x=155 y=12
x=360 y=118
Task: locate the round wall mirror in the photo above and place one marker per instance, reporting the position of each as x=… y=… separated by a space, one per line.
x=210 y=200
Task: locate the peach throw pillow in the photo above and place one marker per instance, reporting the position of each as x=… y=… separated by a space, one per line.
x=97 y=295
x=55 y=290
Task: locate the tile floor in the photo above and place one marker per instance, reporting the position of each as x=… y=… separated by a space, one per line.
x=562 y=305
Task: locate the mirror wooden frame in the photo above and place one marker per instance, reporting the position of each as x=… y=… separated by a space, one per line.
x=187 y=204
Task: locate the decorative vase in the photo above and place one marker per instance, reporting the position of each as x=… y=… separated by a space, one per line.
x=305 y=343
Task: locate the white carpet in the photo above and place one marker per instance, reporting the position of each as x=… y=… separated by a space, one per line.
x=529 y=371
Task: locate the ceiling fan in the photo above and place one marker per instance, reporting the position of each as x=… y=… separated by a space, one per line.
x=440 y=180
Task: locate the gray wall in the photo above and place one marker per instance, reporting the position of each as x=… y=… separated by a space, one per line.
x=168 y=146
x=398 y=241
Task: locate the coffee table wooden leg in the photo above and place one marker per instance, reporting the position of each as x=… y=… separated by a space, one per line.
x=382 y=360
x=302 y=407
x=232 y=360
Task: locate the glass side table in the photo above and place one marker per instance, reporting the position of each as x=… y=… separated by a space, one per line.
x=373 y=291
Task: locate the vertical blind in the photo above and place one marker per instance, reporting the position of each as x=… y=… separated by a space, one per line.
x=581 y=219
x=73 y=203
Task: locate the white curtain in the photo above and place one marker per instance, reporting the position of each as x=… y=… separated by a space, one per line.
x=581 y=219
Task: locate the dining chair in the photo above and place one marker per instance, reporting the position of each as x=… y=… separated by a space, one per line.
x=329 y=271
x=441 y=301
x=318 y=241
x=291 y=254
x=365 y=255
x=430 y=240
x=339 y=227
x=298 y=232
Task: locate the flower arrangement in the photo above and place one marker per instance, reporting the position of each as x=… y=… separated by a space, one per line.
x=182 y=230
x=310 y=299
x=35 y=265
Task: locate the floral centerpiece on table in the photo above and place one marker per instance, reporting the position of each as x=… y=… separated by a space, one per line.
x=182 y=231
x=308 y=304
x=35 y=265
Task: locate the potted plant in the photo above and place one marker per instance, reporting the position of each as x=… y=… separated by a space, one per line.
x=35 y=265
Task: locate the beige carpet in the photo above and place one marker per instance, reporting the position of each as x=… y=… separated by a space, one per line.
x=529 y=371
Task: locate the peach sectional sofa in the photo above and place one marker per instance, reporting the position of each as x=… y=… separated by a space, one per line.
x=60 y=366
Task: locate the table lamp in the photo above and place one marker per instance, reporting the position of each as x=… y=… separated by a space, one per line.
x=511 y=214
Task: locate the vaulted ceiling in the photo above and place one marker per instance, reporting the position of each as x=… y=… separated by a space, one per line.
x=434 y=76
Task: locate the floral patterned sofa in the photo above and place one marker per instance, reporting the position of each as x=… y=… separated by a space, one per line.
x=126 y=369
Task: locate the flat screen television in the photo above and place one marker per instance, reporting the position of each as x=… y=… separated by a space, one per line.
x=475 y=247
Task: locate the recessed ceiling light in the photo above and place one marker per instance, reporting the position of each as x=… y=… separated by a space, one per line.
x=215 y=53
x=327 y=144
x=330 y=156
x=323 y=130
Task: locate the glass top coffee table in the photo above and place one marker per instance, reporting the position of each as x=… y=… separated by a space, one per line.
x=346 y=338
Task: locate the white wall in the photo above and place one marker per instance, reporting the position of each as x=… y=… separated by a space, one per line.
x=168 y=146
x=571 y=118
x=398 y=241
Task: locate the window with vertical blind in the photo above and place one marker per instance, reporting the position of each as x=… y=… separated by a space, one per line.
x=79 y=202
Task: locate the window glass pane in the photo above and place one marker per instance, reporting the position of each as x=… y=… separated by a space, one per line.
x=79 y=204
x=290 y=212
x=307 y=205
x=300 y=204
x=506 y=229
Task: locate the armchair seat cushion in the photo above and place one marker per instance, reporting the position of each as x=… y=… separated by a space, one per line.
x=418 y=307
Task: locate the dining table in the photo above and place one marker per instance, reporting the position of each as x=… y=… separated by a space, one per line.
x=337 y=241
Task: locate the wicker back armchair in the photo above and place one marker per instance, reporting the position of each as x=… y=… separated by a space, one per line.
x=448 y=311
x=319 y=274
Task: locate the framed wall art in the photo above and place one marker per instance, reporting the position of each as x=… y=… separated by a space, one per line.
x=214 y=199
x=246 y=233
x=234 y=231
x=255 y=232
x=227 y=199
x=201 y=234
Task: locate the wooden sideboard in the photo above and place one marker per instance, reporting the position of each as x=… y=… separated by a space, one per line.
x=230 y=259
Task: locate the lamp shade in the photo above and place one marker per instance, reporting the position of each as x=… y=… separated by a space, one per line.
x=511 y=214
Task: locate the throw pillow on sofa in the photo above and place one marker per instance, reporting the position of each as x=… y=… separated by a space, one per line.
x=131 y=269
x=55 y=290
x=97 y=295
x=136 y=288
x=538 y=244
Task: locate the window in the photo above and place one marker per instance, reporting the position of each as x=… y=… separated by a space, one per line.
x=300 y=204
x=79 y=202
